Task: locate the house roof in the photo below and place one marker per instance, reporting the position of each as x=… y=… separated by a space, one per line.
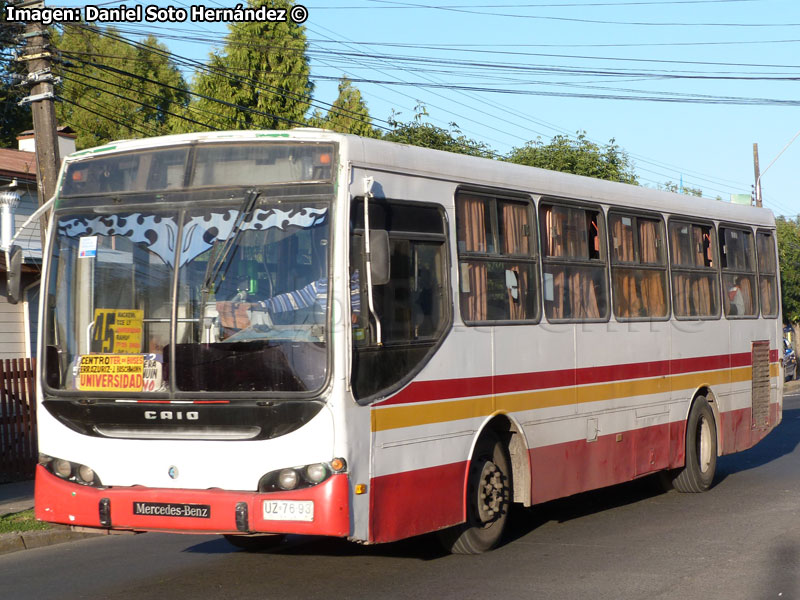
x=16 y=163
x=62 y=130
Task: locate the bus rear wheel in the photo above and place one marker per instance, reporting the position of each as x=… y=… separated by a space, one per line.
x=488 y=500
x=701 y=450
x=256 y=543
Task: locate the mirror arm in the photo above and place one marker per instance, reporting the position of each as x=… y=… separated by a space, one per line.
x=368 y=181
x=35 y=215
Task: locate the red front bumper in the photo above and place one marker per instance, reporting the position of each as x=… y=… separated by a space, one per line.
x=60 y=501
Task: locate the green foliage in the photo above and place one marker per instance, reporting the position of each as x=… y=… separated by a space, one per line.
x=348 y=113
x=270 y=73
x=108 y=84
x=419 y=133
x=13 y=118
x=689 y=191
x=578 y=156
x=21 y=521
x=789 y=255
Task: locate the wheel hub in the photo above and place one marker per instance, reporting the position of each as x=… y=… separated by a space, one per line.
x=491 y=493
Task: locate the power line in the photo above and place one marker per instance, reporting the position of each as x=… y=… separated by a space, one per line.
x=247 y=80
x=133 y=100
x=103 y=116
x=494 y=13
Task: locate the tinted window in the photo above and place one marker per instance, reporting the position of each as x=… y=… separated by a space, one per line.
x=738 y=272
x=695 y=278
x=574 y=268
x=497 y=263
x=412 y=307
x=638 y=266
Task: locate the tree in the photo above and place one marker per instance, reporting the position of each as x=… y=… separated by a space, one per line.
x=689 y=191
x=579 y=156
x=113 y=89
x=426 y=135
x=262 y=74
x=13 y=118
x=348 y=113
x=789 y=256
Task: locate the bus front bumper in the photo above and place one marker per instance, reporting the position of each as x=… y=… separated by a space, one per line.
x=323 y=509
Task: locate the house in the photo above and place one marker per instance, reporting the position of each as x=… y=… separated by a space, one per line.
x=19 y=323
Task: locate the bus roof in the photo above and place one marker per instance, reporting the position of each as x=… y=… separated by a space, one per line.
x=386 y=156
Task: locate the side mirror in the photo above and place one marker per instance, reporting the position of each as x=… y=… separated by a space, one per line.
x=379 y=259
x=13 y=274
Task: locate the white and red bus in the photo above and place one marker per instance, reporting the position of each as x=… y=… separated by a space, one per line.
x=301 y=332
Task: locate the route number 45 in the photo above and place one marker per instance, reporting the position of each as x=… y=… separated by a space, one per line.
x=103 y=332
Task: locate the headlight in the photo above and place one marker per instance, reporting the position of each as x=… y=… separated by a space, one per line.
x=301 y=476
x=287 y=479
x=71 y=471
x=86 y=473
x=315 y=473
x=62 y=468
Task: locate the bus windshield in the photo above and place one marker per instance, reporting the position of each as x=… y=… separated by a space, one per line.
x=245 y=312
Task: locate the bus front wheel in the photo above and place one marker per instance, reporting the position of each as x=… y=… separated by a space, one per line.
x=701 y=450
x=488 y=500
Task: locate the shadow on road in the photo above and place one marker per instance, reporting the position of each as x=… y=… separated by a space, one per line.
x=424 y=547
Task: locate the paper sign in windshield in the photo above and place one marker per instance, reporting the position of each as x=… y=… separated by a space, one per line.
x=111 y=372
x=118 y=373
x=87 y=247
x=117 y=331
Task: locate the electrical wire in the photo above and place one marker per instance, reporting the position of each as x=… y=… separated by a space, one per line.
x=259 y=85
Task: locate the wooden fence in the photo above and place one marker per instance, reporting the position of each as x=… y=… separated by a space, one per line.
x=18 y=448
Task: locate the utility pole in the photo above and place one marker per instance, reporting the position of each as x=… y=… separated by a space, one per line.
x=42 y=100
x=757 y=174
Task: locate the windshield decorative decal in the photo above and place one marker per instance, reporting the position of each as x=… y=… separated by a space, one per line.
x=200 y=233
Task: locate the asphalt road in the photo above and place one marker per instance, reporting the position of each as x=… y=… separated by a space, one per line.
x=741 y=540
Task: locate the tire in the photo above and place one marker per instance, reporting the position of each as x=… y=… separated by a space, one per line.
x=256 y=543
x=488 y=500
x=697 y=474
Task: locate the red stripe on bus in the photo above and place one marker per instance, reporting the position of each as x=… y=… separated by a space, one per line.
x=570 y=468
x=59 y=501
x=562 y=470
x=444 y=389
x=415 y=502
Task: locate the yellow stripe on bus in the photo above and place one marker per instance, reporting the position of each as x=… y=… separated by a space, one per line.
x=410 y=415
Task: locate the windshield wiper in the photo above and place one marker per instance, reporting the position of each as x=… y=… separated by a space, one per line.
x=216 y=260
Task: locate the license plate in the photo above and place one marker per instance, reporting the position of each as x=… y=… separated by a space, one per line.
x=162 y=509
x=288 y=510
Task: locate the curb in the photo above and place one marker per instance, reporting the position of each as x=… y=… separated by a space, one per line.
x=14 y=542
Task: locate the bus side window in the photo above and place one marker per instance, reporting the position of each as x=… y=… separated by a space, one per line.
x=412 y=306
x=574 y=268
x=767 y=274
x=638 y=267
x=695 y=285
x=738 y=272
x=497 y=258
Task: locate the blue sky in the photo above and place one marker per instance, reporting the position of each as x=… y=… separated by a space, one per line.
x=513 y=70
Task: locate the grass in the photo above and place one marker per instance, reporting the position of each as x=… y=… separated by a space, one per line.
x=21 y=521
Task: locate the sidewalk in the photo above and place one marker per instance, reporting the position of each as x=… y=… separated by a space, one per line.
x=16 y=497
